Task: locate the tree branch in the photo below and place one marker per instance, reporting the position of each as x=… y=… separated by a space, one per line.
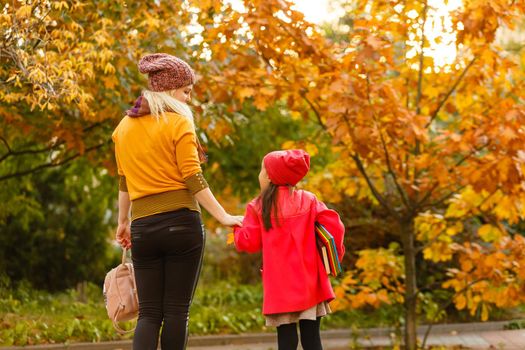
x=55 y=145
x=420 y=73
x=52 y=164
x=458 y=163
x=6 y=146
x=447 y=196
x=450 y=91
x=402 y=193
x=316 y=112
x=421 y=59
x=443 y=307
x=375 y=192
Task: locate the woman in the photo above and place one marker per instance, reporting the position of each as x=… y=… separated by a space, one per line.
x=158 y=159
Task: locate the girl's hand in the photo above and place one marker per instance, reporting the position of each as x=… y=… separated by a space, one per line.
x=123 y=235
x=232 y=220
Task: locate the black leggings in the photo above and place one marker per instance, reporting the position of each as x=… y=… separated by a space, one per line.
x=167 y=255
x=310 y=335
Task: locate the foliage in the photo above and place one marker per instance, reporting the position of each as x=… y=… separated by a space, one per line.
x=68 y=74
x=252 y=134
x=57 y=234
x=380 y=280
x=416 y=136
x=224 y=263
x=31 y=317
x=428 y=156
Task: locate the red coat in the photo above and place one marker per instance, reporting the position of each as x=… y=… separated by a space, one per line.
x=294 y=278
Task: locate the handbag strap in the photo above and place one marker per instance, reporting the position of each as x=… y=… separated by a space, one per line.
x=130 y=269
x=117 y=326
x=124 y=251
x=115 y=323
x=124 y=258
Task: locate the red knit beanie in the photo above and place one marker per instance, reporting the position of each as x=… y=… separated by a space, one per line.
x=287 y=167
x=166 y=72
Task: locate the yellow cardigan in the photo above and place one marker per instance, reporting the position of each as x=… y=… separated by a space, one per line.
x=158 y=163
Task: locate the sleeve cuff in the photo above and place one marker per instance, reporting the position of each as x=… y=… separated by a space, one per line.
x=122 y=185
x=196 y=183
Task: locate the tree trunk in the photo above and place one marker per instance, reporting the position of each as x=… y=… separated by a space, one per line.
x=82 y=292
x=409 y=251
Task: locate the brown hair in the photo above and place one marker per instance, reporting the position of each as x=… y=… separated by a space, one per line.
x=269 y=202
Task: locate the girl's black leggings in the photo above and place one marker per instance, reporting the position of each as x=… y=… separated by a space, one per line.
x=310 y=335
x=167 y=255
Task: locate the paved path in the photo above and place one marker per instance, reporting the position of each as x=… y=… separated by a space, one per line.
x=475 y=336
x=504 y=340
x=496 y=340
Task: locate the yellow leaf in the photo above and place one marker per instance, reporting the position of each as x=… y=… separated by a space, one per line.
x=489 y=233
x=295 y=115
x=245 y=92
x=109 y=69
x=484 y=312
x=461 y=302
x=109 y=82
x=24 y=11
x=230 y=238
x=261 y=102
x=288 y=145
x=311 y=149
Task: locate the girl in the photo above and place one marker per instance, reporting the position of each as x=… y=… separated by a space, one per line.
x=280 y=222
x=161 y=181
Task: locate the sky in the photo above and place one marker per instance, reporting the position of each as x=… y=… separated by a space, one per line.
x=438 y=28
x=317 y=11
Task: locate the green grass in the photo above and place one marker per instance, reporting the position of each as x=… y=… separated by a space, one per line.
x=29 y=317
x=33 y=317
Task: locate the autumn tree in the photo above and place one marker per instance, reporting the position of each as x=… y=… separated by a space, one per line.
x=438 y=149
x=68 y=71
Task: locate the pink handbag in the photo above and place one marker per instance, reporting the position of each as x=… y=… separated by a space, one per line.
x=120 y=294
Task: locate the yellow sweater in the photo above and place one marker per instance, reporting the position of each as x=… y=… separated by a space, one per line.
x=158 y=163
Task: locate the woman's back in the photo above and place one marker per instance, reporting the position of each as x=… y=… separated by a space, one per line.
x=156 y=155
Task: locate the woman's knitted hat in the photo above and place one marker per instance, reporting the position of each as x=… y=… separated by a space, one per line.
x=287 y=167
x=166 y=72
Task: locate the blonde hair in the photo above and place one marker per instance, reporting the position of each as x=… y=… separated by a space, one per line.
x=161 y=102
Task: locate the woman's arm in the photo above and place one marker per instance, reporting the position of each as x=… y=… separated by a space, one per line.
x=206 y=198
x=189 y=166
x=123 y=235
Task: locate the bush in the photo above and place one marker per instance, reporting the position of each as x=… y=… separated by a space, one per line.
x=59 y=235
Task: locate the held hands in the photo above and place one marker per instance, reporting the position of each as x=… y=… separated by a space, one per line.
x=231 y=220
x=123 y=235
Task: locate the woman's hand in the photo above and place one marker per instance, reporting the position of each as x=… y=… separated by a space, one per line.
x=231 y=220
x=123 y=235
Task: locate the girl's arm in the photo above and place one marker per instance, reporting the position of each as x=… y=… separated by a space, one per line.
x=248 y=237
x=206 y=198
x=123 y=235
x=331 y=221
